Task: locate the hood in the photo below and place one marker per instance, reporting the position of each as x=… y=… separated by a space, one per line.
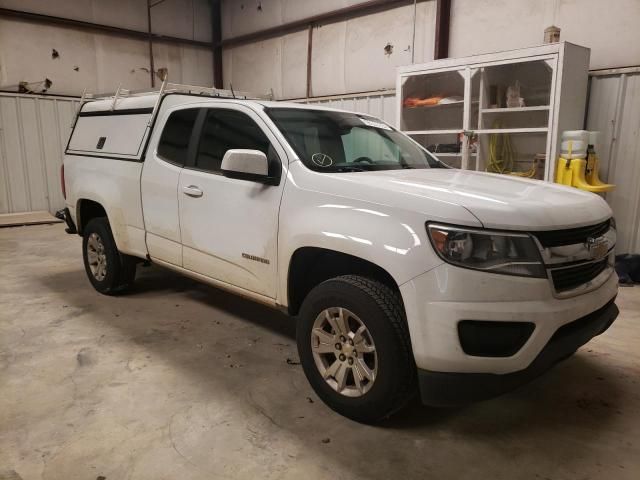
x=497 y=201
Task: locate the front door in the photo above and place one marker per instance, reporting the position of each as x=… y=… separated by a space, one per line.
x=229 y=226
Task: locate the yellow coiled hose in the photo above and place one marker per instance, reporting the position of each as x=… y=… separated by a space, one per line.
x=501 y=154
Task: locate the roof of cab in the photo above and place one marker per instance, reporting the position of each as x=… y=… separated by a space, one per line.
x=149 y=101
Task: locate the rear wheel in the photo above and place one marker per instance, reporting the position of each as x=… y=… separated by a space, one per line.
x=354 y=347
x=108 y=270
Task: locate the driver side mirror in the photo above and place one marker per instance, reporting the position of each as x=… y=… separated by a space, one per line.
x=251 y=165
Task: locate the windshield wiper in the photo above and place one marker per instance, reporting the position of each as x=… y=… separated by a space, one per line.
x=347 y=168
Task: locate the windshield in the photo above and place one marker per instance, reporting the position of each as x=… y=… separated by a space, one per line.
x=346 y=142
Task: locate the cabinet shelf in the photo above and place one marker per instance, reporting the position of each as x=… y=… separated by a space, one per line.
x=533 y=108
x=512 y=130
x=454 y=131
x=457 y=103
x=451 y=154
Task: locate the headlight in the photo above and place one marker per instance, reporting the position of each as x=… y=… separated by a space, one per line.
x=495 y=252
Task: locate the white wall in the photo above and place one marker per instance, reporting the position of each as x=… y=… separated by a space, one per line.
x=348 y=56
x=104 y=61
x=610 y=28
x=240 y=17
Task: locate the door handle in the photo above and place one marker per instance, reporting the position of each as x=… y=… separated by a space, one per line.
x=192 y=191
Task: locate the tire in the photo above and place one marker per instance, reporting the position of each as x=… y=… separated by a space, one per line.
x=109 y=271
x=368 y=303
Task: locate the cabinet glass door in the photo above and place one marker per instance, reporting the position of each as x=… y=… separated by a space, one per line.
x=433 y=101
x=516 y=95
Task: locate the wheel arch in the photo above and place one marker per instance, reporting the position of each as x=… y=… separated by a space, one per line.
x=86 y=210
x=310 y=266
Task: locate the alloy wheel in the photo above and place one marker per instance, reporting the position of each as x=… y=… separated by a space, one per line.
x=344 y=351
x=97 y=257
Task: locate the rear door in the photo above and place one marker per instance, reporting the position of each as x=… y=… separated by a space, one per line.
x=229 y=226
x=159 y=184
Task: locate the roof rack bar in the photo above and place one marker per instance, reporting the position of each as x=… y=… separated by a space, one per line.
x=167 y=87
x=84 y=94
x=115 y=97
x=158 y=100
x=215 y=92
x=179 y=88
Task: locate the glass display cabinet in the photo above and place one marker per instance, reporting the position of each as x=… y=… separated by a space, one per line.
x=500 y=112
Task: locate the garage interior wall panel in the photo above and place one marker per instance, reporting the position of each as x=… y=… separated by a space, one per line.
x=100 y=62
x=347 y=56
x=243 y=17
x=33 y=134
x=608 y=28
x=614 y=111
x=176 y=18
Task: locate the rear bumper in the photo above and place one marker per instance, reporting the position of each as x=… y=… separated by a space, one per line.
x=451 y=389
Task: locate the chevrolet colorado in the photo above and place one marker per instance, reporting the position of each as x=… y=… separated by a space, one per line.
x=404 y=275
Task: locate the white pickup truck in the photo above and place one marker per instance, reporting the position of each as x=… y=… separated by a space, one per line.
x=404 y=275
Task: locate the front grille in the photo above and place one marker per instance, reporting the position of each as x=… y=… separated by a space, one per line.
x=558 y=238
x=571 y=277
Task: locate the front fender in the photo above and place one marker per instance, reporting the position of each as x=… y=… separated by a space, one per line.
x=383 y=227
x=396 y=241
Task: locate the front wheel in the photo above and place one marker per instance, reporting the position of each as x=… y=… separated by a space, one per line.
x=355 y=349
x=108 y=270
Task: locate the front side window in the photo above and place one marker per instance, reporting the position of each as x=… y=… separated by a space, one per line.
x=329 y=141
x=174 y=142
x=224 y=130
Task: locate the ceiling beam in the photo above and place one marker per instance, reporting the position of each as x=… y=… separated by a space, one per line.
x=97 y=27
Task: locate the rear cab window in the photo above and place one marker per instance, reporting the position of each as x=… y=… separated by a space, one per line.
x=176 y=134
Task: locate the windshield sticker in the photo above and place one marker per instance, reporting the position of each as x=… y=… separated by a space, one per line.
x=322 y=159
x=371 y=123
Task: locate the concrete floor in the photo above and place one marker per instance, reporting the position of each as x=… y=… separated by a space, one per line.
x=180 y=381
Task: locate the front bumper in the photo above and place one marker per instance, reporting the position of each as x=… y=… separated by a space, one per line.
x=450 y=389
x=437 y=301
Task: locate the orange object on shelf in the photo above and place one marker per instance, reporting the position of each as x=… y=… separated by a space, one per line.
x=411 y=102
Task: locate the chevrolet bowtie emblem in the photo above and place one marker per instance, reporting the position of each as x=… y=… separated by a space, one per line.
x=597 y=247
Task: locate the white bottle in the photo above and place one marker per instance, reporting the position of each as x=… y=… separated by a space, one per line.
x=574 y=144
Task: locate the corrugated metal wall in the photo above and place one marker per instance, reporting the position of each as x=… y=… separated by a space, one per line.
x=380 y=104
x=614 y=110
x=33 y=133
